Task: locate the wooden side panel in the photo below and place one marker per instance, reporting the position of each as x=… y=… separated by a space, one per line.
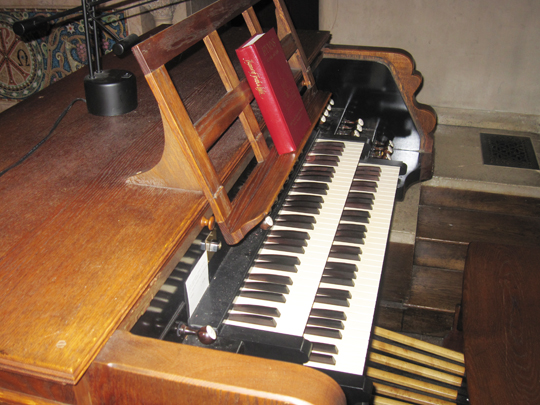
x=500 y=324
x=16 y=398
x=18 y=389
x=130 y=370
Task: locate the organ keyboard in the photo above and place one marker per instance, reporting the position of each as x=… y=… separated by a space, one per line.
x=341 y=248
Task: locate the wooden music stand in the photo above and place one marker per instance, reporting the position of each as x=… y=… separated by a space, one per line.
x=186 y=163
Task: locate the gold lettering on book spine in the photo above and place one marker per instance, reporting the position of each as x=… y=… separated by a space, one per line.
x=255 y=76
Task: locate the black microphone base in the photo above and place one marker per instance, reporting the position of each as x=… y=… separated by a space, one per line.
x=111 y=92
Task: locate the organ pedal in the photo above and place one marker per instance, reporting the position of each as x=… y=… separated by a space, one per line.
x=407 y=369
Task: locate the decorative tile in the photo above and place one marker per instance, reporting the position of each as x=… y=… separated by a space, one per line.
x=29 y=66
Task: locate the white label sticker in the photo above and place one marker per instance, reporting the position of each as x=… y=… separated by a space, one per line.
x=197 y=283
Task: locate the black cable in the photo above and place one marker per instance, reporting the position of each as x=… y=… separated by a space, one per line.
x=44 y=139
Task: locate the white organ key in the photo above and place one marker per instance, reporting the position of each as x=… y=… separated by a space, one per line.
x=295 y=311
x=353 y=345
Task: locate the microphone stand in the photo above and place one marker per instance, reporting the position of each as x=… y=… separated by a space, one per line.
x=108 y=92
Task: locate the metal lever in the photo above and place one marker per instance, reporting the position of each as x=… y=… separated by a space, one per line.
x=206 y=335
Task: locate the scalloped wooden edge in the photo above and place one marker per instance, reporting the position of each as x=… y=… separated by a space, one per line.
x=409 y=81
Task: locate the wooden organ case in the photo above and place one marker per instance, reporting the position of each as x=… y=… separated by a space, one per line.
x=95 y=221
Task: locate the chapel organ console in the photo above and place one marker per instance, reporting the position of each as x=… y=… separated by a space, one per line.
x=125 y=206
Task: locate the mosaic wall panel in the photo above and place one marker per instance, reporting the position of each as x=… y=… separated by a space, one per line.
x=27 y=67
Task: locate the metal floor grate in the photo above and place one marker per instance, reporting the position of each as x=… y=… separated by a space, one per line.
x=509 y=151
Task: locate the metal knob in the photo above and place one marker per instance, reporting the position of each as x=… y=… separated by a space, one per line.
x=206 y=335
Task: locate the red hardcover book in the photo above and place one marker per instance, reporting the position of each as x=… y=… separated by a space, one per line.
x=274 y=88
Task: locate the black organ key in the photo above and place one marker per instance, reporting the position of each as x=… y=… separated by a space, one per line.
x=322 y=147
x=359 y=198
x=286 y=241
x=282 y=259
x=271 y=278
x=326 y=151
x=345 y=274
x=361 y=205
x=364 y=185
x=334 y=292
x=309 y=184
x=361 y=217
x=330 y=152
x=325 y=348
x=304 y=197
x=265 y=286
x=350 y=237
x=356 y=200
x=323 y=160
x=257 y=309
x=360 y=194
x=328 y=313
x=326 y=332
x=340 y=302
x=290 y=234
x=366 y=176
x=284 y=248
x=327 y=146
x=326 y=170
x=327 y=323
x=308 y=189
x=332 y=143
x=340 y=266
x=301 y=203
x=352 y=227
x=253 y=319
x=306 y=219
x=346 y=282
x=366 y=173
x=315 y=177
x=345 y=252
x=369 y=169
x=322 y=358
x=264 y=296
x=295 y=224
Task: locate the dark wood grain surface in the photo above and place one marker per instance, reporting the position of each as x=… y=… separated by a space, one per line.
x=501 y=304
